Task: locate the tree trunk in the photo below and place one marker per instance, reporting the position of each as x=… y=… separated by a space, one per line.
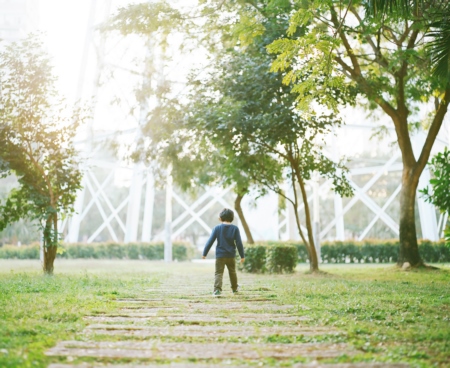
x=313 y=261
x=408 y=250
x=310 y=246
x=50 y=245
x=238 y=208
x=49 y=258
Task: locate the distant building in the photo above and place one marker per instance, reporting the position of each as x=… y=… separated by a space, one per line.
x=18 y=18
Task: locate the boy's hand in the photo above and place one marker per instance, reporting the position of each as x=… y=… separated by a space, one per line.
x=203 y=257
x=242 y=260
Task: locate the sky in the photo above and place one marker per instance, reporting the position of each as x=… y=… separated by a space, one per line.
x=64 y=24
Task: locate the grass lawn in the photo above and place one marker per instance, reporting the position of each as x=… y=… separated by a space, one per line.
x=387 y=314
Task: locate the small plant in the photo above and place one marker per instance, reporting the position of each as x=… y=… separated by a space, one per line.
x=439 y=195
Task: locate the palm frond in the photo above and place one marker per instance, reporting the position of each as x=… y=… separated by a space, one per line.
x=439 y=47
x=401 y=7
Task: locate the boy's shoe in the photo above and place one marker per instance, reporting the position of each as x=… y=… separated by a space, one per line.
x=235 y=291
x=217 y=293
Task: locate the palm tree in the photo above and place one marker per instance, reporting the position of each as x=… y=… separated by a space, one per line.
x=436 y=13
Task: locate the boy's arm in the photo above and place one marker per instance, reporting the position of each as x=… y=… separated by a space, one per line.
x=239 y=244
x=209 y=243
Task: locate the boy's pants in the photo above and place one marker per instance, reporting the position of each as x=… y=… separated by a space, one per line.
x=220 y=267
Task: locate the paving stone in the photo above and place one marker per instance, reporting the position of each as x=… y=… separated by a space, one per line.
x=352 y=365
x=135 y=300
x=208 y=296
x=206 y=331
x=201 y=307
x=208 y=289
x=152 y=307
x=168 y=289
x=171 y=365
x=199 y=299
x=136 y=317
x=193 y=365
x=158 y=350
x=178 y=292
x=203 y=314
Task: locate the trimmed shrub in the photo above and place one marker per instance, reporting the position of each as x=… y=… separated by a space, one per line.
x=272 y=257
x=151 y=251
x=258 y=257
x=23 y=252
x=379 y=251
x=302 y=253
x=352 y=251
x=434 y=251
x=255 y=258
x=281 y=258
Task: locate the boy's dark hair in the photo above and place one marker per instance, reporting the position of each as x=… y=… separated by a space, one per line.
x=226 y=215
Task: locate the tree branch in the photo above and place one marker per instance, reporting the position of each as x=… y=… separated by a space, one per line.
x=379 y=58
x=432 y=133
x=405 y=33
x=391 y=32
x=269 y=147
x=38 y=168
x=348 y=48
x=401 y=74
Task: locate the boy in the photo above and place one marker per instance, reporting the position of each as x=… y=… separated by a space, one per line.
x=228 y=238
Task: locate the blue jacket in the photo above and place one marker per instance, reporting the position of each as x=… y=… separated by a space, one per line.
x=228 y=239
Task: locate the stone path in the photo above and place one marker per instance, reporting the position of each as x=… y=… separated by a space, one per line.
x=180 y=324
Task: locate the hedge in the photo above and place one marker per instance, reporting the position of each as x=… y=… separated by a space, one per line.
x=272 y=258
x=180 y=251
x=278 y=257
x=374 y=251
x=269 y=256
x=23 y=252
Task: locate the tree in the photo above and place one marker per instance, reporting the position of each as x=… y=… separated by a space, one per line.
x=384 y=61
x=36 y=134
x=246 y=112
x=439 y=194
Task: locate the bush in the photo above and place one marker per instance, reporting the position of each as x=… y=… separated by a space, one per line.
x=379 y=251
x=255 y=258
x=259 y=258
x=302 y=253
x=434 y=252
x=23 y=252
x=272 y=257
x=151 y=251
x=281 y=258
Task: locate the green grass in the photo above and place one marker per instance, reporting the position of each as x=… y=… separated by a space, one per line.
x=387 y=314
